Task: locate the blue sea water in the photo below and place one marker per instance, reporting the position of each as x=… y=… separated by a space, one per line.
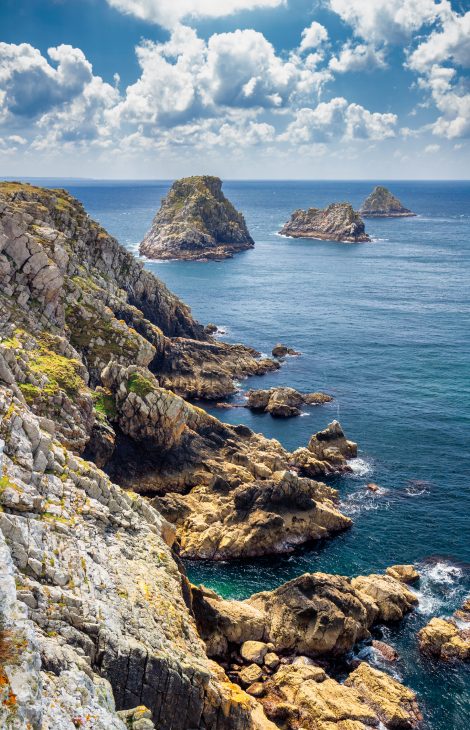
x=384 y=327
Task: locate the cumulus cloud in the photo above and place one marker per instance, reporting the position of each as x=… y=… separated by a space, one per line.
x=432 y=148
x=187 y=77
x=59 y=97
x=359 y=57
x=338 y=119
x=451 y=42
x=31 y=86
x=380 y=21
x=169 y=13
x=313 y=37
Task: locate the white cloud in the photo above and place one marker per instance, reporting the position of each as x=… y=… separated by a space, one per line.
x=313 y=37
x=360 y=57
x=188 y=78
x=451 y=42
x=432 y=148
x=451 y=100
x=388 y=20
x=171 y=12
x=338 y=119
x=31 y=86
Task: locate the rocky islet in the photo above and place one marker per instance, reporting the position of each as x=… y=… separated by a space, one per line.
x=98 y=623
x=336 y=222
x=196 y=222
x=382 y=204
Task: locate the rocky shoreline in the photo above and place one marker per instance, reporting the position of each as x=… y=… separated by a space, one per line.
x=110 y=476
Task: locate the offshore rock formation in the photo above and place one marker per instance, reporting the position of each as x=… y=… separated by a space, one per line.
x=448 y=639
x=337 y=222
x=196 y=221
x=382 y=204
x=266 y=643
x=283 y=402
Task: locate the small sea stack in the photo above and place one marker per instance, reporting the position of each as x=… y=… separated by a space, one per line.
x=337 y=222
x=196 y=222
x=382 y=204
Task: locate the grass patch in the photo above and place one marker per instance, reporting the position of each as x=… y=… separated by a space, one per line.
x=139 y=385
x=104 y=404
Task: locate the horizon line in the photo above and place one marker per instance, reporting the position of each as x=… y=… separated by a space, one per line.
x=12 y=178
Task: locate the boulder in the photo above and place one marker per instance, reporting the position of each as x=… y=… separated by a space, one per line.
x=254 y=651
x=337 y=222
x=448 y=639
x=382 y=204
x=404 y=573
x=386 y=651
x=395 y=704
x=250 y=674
x=391 y=596
x=196 y=221
x=281 y=350
x=283 y=402
x=332 y=446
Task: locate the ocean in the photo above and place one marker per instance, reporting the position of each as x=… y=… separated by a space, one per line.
x=383 y=327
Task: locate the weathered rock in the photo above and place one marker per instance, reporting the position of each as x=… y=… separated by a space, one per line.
x=382 y=204
x=386 y=651
x=313 y=615
x=404 y=573
x=391 y=596
x=302 y=696
x=271 y=660
x=196 y=221
x=281 y=350
x=329 y=446
x=395 y=705
x=254 y=651
x=448 y=639
x=249 y=675
x=283 y=402
x=337 y=222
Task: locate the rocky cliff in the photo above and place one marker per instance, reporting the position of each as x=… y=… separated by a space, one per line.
x=196 y=221
x=107 y=476
x=337 y=222
x=382 y=204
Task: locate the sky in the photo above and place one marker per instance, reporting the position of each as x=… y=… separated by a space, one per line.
x=312 y=89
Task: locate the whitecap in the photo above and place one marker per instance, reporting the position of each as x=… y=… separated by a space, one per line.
x=305 y=413
x=438 y=587
x=360 y=467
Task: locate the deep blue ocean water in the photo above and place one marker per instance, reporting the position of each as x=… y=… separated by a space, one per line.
x=385 y=328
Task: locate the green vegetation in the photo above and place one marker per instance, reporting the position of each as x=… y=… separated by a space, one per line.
x=140 y=385
x=30 y=392
x=61 y=372
x=104 y=404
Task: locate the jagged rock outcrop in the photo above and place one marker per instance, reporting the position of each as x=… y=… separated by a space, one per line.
x=395 y=705
x=337 y=222
x=316 y=614
x=405 y=573
x=448 y=638
x=196 y=221
x=280 y=350
x=300 y=695
x=382 y=204
x=283 y=402
x=266 y=643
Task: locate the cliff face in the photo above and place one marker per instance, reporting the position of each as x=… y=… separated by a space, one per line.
x=94 y=609
x=382 y=204
x=337 y=222
x=96 y=614
x=196 y=221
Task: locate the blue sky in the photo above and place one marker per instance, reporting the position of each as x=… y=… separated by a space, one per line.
x=239 y=88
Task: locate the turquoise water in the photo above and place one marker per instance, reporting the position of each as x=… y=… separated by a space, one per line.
x=384 y=327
